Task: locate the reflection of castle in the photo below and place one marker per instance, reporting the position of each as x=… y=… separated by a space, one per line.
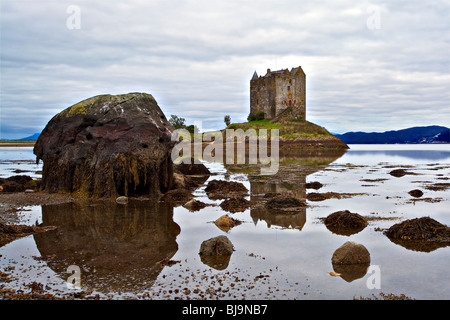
x=112 y=243
x=277 y=91
x=295 y=188
x=290 y=180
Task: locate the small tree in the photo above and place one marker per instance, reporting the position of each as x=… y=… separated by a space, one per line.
x=227 y=120
x=192 y=128
x=177 y=122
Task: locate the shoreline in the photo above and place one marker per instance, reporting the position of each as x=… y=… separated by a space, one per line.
x=17 y=144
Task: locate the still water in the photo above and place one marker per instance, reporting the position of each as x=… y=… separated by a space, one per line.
x=119 y=249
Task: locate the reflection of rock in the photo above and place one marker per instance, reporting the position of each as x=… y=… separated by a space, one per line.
x=107 y=146
x=420 y=234
x=284 y=219
x=216 y=252
x=351 y=272
x=345 y=222
x=117 y=246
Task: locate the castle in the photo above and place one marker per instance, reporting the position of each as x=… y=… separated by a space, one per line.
x=277 y=91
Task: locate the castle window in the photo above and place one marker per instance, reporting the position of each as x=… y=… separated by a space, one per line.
x=289 y=88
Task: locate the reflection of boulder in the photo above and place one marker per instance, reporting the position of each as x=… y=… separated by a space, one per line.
x=420 y=234
x=284 y=219
x=351 y=272
x=216 y=252
x=107 y=146
x=111 y=243
x=351 y=260
x=345 y=222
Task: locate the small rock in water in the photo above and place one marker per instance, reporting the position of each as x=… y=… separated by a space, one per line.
x=416 y=193
x=225 y=223
x=122 y=200
x=351 y=253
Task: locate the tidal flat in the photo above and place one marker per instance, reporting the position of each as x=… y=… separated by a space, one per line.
x=147 y=249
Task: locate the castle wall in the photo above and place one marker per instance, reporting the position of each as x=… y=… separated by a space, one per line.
x=277 y=91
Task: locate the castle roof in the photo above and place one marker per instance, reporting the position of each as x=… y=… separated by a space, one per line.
x=255 y=76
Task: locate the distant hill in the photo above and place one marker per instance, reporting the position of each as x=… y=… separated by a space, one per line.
x=33 y=137
x=430 y=134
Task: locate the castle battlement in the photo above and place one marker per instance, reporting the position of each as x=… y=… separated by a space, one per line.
x=278 y=90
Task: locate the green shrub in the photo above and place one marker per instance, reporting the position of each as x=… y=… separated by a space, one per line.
x=259 y=116
x=256 y=117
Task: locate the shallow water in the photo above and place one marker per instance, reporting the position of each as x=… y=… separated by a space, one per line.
x=117 y=247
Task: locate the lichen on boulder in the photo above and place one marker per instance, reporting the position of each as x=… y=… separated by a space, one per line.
x=107 y=146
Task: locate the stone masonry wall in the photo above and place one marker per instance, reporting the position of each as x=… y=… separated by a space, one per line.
x=277 y=91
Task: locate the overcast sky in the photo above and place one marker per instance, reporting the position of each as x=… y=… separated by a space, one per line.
x=370 y=66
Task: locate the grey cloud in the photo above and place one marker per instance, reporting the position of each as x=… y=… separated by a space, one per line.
x=197 y=57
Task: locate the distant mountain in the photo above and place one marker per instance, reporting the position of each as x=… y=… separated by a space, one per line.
x=33 y=137
x=430 y=134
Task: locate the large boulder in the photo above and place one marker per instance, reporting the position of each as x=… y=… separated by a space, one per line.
x=107 y=146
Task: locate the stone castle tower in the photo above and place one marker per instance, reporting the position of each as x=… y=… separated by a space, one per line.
x=277 y=91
